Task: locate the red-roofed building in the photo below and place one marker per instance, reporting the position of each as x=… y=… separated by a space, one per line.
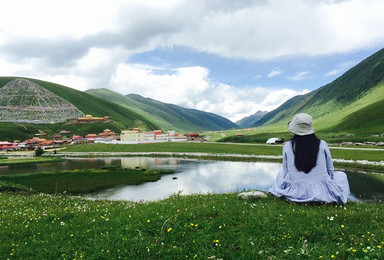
x=7 y=146
x=192 y=136
x=108 y=134
x=91 y=136
x=57 y=137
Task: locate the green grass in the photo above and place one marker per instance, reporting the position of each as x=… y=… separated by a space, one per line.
x=39 y=226
x=220 y=148
x=341 y=119
x=83 y=181
x=28 y=160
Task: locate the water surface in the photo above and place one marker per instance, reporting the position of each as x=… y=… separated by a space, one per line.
x=195 y=176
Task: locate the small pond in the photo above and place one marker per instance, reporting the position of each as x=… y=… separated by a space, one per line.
x=195 y=176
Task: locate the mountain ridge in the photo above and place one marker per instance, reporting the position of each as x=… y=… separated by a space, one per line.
x=252 y=119
x=167 y=116
x=335 y=97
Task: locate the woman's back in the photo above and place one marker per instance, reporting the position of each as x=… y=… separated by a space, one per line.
x=308 y=174
x=322 y=170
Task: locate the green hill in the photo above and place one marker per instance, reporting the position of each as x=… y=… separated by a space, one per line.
x=353 y=102
x=121 y=117
x=167 y=116
x=368 y=119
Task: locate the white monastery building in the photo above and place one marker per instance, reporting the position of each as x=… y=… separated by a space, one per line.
x=135 y=136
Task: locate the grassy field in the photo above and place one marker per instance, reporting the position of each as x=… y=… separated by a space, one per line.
x=38 y=226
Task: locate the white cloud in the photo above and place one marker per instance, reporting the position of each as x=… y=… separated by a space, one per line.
x=47 y=19
x=341 y=68
x=90 y=71
x=275 y=72
x=300 y=75
x=191 y=87
x=254 y=30
x=85 y=44
x=271 y=29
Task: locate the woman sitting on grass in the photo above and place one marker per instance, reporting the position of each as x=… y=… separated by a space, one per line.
x=307 y=174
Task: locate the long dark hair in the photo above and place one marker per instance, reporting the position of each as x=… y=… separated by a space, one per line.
x=305 y=148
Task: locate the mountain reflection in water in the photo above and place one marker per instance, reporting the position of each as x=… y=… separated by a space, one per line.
x=193 y=176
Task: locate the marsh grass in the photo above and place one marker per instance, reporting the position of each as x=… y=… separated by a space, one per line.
x=29 y=160
x=39 y=226
x=84 y=181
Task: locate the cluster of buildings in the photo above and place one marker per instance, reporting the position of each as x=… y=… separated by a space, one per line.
x=133 y=136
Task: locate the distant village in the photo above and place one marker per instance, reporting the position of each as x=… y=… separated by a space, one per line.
x=131 y=136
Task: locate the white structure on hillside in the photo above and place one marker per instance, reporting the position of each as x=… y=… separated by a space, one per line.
x=132 y=136
x=23 y=101
x=135 y=136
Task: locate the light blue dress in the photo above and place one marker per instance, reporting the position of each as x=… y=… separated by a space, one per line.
x=321 y=184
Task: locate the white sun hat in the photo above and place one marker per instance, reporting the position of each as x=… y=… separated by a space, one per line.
x=301 y=124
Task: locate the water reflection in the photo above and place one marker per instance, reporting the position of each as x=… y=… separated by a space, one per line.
x=195 y=177
x=366 y=186
x=145 y=162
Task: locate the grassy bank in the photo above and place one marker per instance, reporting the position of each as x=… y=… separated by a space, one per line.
x=84 y=181
x=187 y=227
x=179 y=148
x=29 y=160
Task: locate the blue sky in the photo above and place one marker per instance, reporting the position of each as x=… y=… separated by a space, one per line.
x=296 y=73
x=227 y=57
